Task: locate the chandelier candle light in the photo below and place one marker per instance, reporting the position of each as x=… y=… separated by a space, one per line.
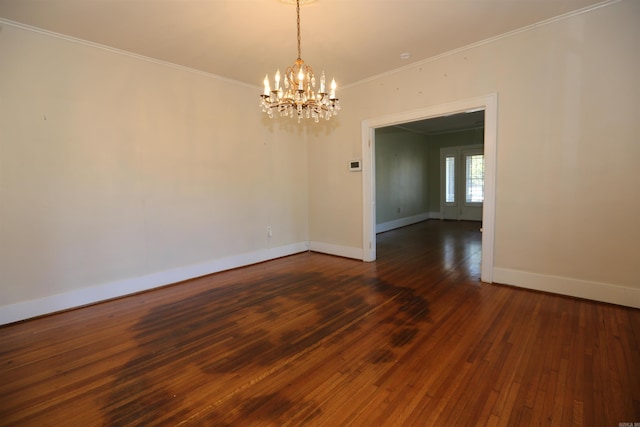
x=296 y=95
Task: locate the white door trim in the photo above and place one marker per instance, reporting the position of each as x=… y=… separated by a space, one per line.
x=488 y=103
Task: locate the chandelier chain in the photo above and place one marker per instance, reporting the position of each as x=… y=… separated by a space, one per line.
x=298 y=21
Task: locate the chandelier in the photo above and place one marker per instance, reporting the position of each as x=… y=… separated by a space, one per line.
x=296 y=95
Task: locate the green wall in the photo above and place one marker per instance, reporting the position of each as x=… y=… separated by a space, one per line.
x=402 y=175
x=408 y=170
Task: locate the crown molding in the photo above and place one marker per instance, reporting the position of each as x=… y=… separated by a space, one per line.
x=512 y=33
x=117 y=51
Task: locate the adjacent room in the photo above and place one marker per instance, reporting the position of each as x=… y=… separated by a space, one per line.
x=435 y=225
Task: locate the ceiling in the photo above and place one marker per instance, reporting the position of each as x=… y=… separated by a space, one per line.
x=449 y=123
x=243 y=39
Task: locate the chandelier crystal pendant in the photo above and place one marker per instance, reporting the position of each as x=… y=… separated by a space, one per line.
x=294 y=94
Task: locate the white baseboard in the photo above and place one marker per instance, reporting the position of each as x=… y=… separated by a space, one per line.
x=77 y=298
x=596 y=291
x=401 y=222
x=343 y=251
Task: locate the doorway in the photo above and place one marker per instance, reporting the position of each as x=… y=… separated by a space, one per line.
x=489 y=104
x=461 y=182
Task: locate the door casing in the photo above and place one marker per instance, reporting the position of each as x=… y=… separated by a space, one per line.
x=488 y=103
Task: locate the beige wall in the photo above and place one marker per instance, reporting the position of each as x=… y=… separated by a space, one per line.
x=115 y=170
x=567 y=148
x=119 y=174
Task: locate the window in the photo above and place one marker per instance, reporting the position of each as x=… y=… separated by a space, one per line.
x=475 y=179
x=450 y=179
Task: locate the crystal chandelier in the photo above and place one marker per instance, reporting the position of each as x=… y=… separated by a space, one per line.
x=296 y=95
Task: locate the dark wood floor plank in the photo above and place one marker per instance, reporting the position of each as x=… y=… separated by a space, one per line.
x=317 y=340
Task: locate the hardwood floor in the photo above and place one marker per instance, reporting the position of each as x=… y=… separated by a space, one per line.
x=413 y=339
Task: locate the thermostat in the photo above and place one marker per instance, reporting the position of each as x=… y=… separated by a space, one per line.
x=355 y=165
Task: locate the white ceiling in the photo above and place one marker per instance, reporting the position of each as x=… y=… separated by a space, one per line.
x=445 y=124
x=244 y=39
